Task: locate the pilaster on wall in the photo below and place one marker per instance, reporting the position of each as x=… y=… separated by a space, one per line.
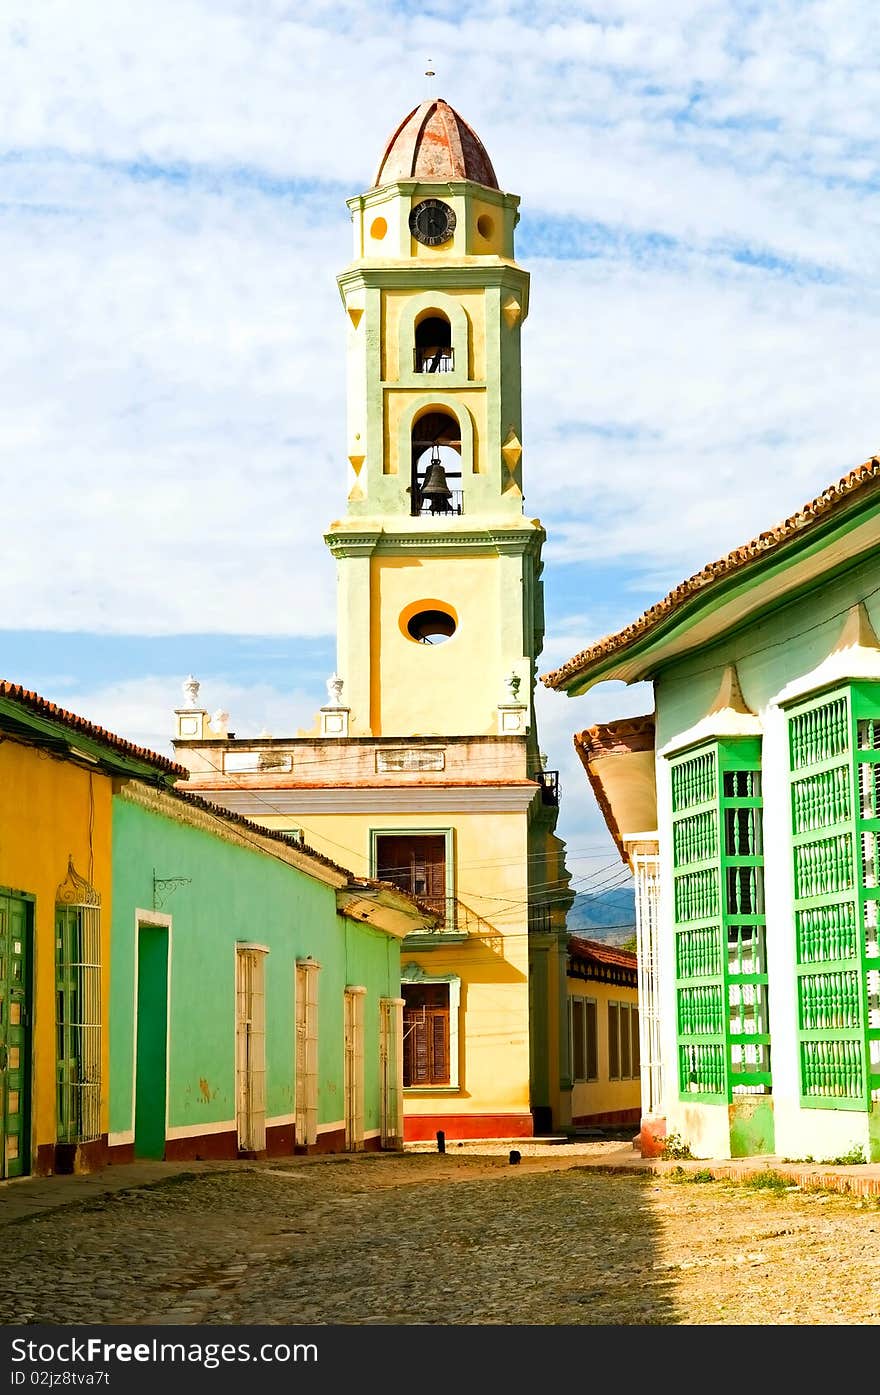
x=643 y=855
x=354 y=613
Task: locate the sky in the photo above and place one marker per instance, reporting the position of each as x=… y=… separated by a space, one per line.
x=699 y=217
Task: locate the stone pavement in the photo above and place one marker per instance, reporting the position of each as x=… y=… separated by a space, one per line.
x=584 y=1232
x=29 y=1196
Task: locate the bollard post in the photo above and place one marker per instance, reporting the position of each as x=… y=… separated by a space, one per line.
x=441 y=1141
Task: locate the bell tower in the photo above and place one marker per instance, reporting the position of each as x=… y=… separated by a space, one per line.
x=423 y=769
x=440 y=599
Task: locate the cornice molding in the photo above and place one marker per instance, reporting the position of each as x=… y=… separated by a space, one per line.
x=413 y=799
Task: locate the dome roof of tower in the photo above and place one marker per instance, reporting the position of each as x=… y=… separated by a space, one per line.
x=432 y=144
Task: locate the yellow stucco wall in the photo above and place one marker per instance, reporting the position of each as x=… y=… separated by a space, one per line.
x=473 y=354
x=490 y=852
x=435 y=689
x=45 y=813
x=399 y=401
x=603 y=1096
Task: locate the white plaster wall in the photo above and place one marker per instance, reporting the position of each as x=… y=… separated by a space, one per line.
x=768 y=655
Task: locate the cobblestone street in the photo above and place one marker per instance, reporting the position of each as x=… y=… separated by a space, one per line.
x=443 y=1239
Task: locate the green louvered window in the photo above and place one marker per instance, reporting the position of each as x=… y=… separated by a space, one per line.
x=718 y=878
x=834 y=746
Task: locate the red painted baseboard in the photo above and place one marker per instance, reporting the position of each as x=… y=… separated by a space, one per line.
x=423 y=1128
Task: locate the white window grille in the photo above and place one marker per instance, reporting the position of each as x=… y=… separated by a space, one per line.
x=78 y=1009
x=646 y=866
x=306 y=1065
x=250 y=996
x=354 y=1068
x=391 y=1069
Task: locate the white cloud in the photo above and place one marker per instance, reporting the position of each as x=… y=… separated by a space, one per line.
x=699 y=214
x=142 y=709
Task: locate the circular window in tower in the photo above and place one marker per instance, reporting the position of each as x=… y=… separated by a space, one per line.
x=485 y=226
x=378 y=229
x=428 y=622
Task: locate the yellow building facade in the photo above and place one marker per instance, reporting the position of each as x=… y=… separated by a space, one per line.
x=56 y=784
x=424 y=767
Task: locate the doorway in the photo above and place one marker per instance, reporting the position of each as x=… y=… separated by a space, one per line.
x=151 y=1051
x=250 y=1049
x=354 y=1068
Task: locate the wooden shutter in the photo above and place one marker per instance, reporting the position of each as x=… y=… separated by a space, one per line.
x=439 y=1020
x=613 y=1042
x=415 y=863
x=625 y=1055
x=578 y=1042
x=592 y=1041
x=426 y=1035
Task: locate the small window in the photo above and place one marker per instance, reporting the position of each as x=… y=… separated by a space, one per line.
x=426 y=1059
x=584 y=1045
x=433 y=347
x=415 y=863
x=579 y=1038
x=614 y=1041
x=624 y=1057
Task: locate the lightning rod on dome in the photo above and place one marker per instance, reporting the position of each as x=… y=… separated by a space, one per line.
x=430 y=75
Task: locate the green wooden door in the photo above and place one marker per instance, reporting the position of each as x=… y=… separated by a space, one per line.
x=152 y=1042
x=15 y=1035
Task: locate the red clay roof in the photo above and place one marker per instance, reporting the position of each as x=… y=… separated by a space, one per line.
x=433 y=144
x=601 y=953
x=43 y=708
x=806 y=517
x=617 y=738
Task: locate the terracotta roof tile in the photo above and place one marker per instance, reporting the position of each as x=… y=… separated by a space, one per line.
x=601 y=953
x=43 y=708
x=806 y=517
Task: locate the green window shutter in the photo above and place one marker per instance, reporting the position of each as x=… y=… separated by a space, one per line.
x=834 y=748
x=718 y=878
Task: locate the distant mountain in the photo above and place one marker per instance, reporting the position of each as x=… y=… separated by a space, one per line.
x=609 y=916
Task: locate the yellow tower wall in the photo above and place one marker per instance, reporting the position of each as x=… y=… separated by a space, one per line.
x=430 y=689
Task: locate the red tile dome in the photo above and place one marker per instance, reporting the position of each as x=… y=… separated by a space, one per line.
x=433 y=144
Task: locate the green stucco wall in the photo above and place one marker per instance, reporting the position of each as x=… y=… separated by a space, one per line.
x=232 y=894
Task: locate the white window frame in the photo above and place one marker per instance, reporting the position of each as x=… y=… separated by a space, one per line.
x=624 y=1012
x=586 y=999
x=305 y=1066
x=414 y=973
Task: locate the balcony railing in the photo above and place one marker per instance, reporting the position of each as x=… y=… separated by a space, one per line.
x=438 y=359
x=437 y=507
x=540 y=918
x=455 y=918
x=549 y=782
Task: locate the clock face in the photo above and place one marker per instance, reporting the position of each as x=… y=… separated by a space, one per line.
x=432 y=222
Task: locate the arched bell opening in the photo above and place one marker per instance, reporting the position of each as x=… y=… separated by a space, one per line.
x=433 y=352
x=436 y=464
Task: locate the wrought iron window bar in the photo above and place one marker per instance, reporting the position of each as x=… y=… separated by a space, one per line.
x=434 y=359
